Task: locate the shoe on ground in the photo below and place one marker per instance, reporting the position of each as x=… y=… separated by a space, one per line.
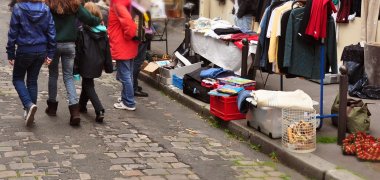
x=120 y=105
x=99 y=117
x=30 y=115
x=141 y=94
x=25 y=114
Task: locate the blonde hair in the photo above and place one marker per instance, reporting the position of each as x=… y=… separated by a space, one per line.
x=93 y=9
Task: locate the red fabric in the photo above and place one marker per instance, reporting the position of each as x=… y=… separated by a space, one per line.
x=317 y=25
x=344 y=11
x=239 y=43
x=122 y=29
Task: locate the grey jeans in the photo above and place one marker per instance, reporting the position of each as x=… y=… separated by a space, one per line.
x=66 y=53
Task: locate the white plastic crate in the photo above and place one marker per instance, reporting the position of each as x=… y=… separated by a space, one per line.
x=266 y=120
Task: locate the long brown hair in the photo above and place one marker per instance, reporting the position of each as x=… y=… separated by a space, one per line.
x=64 y=6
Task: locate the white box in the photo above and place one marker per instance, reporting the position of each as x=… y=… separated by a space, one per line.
x=266 y=120
x=180 y=71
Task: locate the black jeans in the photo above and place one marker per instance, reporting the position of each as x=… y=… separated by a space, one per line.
x=89 y=93
x=139 y=60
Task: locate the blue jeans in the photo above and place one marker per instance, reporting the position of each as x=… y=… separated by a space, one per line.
x=29 y=65
x=66 y=53
x=125 y=76
x=138 y=61
x=245 y=23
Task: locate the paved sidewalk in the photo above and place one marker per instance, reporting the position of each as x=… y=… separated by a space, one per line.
x=161 y=140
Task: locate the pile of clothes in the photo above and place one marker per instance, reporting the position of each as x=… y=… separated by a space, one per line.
x=221 y=29
x=275 y=99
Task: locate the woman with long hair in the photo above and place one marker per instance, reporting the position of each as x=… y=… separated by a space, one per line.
x=65 y=14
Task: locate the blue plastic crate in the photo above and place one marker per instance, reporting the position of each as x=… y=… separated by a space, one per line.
x=177 y=81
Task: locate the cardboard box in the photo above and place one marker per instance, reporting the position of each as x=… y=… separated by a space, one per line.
x=151 y=68
x=180 y=71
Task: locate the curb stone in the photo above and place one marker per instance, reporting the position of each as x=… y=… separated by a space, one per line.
x=308 y=164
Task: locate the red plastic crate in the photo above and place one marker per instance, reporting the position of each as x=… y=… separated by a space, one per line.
x=225 y=108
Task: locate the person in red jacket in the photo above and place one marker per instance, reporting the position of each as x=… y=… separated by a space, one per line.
x=124 y=47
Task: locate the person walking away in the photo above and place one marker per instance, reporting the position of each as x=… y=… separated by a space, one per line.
x=122 y=33
x=92 y=56
x=65 y=15
x=31 y=42
x=243 y=12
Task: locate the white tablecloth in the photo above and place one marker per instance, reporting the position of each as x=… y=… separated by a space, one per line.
x=226 y=56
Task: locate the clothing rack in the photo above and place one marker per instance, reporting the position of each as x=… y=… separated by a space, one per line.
x=321 y=115
x=321 y=84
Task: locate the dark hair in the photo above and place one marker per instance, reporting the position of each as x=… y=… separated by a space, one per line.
x=64 y=6
x=12 y=3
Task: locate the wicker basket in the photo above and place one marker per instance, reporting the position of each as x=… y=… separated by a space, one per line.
x=299 y=130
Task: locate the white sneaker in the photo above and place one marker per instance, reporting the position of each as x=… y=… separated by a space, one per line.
x=25 y=114
x=119 y=99
x=30 y=115
x=121 y=105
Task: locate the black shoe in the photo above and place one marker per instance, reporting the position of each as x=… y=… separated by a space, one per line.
x=99 y=116
x=141 y=94
x=139 y=88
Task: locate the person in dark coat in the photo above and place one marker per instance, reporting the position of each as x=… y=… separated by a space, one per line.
x=92 y=56
x=243 y=12
x=31 y=42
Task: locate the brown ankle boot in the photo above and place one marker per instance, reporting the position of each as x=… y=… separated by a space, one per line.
x=74 y=115
x=51 y=110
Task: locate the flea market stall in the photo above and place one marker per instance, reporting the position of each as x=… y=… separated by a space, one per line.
x=293 y=40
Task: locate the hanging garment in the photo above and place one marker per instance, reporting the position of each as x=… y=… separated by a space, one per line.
x=261 y=58
x=320 y=10
x=356 y=7
x=305 y=21
x=281 y=43
x=263 y=4
x=273 y=35
x=302 y=58
x=344 y=11
x=370 y=14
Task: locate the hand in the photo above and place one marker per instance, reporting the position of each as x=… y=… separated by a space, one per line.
x=47 y=61
x=11 y=62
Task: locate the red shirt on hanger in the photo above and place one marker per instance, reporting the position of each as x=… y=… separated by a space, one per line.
x=317 y=25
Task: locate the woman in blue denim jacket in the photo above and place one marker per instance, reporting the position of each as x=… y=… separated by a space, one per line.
x=32 y=31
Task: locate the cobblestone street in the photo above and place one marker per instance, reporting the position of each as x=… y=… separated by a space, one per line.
x=160 y=140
